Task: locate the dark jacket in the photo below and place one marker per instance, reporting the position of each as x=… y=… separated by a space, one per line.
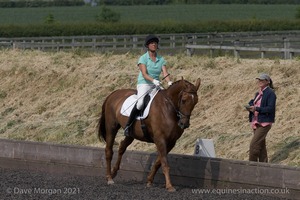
x=266 y=111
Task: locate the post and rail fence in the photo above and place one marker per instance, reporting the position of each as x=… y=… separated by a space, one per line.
x=285 y=44
x=281 y=48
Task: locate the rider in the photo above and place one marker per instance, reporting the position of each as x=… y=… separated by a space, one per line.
x=151 y=65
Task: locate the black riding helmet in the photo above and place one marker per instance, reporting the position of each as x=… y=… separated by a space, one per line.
x=151 y=38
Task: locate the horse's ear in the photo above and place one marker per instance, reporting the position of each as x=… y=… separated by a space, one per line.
x=182 y=82
x=198 y=83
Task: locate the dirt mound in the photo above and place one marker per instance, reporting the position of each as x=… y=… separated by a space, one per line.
x=57 y=97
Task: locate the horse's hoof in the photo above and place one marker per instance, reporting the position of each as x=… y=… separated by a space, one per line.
x=149 y=185
x=110 y=182
x=114 y=174
x=171 y=189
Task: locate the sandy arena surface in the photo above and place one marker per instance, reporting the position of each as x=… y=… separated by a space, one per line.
x=22 y=184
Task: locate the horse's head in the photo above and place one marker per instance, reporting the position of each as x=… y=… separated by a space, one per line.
x=187 y=99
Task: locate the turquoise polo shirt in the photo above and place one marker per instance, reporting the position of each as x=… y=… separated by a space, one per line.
x=153 y=68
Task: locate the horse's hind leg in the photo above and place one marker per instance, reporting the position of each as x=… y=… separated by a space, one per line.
x=108 y=155
x=122 y=148
x=110 y=139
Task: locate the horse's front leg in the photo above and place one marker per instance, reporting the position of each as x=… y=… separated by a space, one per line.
x=153 y=171
x=163 y=151
x=156 y=166
x=122 y=148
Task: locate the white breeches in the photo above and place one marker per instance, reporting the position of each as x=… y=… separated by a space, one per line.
x=142 y=90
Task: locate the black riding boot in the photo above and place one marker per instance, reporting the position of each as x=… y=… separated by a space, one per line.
x=131 y=120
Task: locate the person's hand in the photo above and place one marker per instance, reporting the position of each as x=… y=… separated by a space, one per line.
x=251 y=108
x=170 y=83
x=156 y=82
x=247 y=107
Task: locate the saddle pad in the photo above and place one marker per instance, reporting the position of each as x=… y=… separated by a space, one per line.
x=131 y=101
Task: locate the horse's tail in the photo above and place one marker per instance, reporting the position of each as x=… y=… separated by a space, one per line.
x=101 y=124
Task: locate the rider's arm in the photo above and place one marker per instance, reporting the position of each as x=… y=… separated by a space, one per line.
x=145 y=73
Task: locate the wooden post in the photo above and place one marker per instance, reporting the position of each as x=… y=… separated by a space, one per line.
x=291 y=55
x=73 y=43
x=134 y=40
x=189 y=52
x=172 y=44
x=286 y=46
x=211 y=53
x=114 y=43
x=194 y=39
x=125 y=42
x=235 y=51
x=32 y=41
x=262 y=54
x=94 y=43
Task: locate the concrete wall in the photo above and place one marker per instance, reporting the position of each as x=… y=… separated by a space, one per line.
x=191 y=171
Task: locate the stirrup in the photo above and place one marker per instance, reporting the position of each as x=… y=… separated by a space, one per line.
x=127 y=131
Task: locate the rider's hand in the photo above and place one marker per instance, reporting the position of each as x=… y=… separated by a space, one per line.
x=156 y=82
x=170 y=83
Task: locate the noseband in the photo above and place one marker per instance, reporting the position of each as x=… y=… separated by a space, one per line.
x=179 y=114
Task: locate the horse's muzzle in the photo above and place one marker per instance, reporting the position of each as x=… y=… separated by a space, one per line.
x=183 y=125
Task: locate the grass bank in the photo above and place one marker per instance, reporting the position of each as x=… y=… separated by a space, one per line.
x=57 y=97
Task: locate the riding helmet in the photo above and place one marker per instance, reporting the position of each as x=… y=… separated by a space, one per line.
x=151 y=38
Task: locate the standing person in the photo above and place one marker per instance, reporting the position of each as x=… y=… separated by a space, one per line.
x=261 y=115
x=151 y=65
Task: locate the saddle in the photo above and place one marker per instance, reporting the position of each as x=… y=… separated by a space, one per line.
x=130 y=102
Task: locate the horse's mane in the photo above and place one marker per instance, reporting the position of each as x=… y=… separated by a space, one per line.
x=190 y=86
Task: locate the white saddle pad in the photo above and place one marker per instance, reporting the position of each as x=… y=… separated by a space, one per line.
x=131 y=101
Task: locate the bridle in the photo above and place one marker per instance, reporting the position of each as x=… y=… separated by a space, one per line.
x=179 y=114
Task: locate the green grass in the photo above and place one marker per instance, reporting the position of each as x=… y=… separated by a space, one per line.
x=3 y=94
x=285 y=148
x=151 y=13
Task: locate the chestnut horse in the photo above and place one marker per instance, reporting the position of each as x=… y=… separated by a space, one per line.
x=169 y=115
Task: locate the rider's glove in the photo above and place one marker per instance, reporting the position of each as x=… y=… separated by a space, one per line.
x=170 y=83
x=156 y=82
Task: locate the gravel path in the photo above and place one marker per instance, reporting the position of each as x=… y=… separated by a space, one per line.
x=24 y=184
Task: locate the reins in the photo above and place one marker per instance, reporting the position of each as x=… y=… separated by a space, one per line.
x=179 y=114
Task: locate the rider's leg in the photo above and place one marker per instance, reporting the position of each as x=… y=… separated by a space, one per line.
x=131 y=120
x=142 y=90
